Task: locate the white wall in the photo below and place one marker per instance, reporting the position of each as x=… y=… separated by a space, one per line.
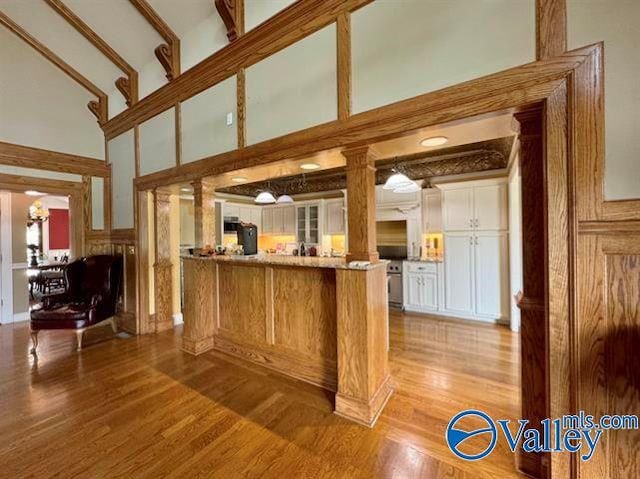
x=515 y=241
x=294 y=89
x=617 y=22
x=404 y=48
x=158 y=142
x=97 y=203
x=123 y=171
x=257 y=11
x=203 y=120
x=41 y=106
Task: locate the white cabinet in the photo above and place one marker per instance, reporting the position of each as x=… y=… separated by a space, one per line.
x=250 y=214
x=458 y=273
x=256 y=217
x=431 y=210
x=420 y=287
x=279 y=220
x=477 y=205
x=308 y=224
x=334 y=221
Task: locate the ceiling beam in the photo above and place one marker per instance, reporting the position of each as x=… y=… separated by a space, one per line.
x=127 y=86
x=168 y=53
x=99 y=108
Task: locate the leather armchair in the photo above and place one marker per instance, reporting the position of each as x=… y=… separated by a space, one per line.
x=91 y=297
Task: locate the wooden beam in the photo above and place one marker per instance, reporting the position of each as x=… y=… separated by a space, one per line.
x=98 y=108
x=168 y=54
x=29 y=157
x=287 y=27
x=551 y=28
x=344 y=65
x=241 y=107
x=128 y=87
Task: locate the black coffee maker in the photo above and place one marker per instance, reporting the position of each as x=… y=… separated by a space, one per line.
x=248 y=238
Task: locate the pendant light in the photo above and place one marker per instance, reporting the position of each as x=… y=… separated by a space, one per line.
x=264 y=198
x=284 y=199
x=395 y=181
x=413 y=187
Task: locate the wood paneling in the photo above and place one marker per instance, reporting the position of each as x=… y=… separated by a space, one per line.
x=551 y=28
x=363 y=334
x=361 y=195
x=29 y=157
x=241 y=107
x=344 y=65
x=242 y=302
x=204 y=215
x=163 y=267
x=99 y=108
x=200 y=286
x=127 y=86
x=287 y=27
x=304 y=303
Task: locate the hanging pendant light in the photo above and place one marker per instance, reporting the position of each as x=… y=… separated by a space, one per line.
x=395 y=181
x=411 y=188
x=265 y=198
x=284 y=199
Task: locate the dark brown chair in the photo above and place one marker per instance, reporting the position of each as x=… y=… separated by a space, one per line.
x=89 y=300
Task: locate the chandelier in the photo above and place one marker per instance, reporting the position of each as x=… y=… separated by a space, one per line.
x=37 y=212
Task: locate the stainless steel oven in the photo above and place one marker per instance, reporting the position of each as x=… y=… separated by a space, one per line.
x=394 y=281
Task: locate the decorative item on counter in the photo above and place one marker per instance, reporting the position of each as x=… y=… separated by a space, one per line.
x=303 y=252
x=313 y=251
x=294 y=252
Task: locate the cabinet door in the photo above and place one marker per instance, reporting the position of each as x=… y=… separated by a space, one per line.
x=429 y=299
x=244 y=214
x=458 y=273
x=458 y=209
x=432 y=212
x=278 y=221
x=313 y=231
x=491 y=274
x=289 y=220
x=490 y=207
x=335 y=218
x=301 y=225
x=231 y=210
x=256 y=217
x=414 y=290
x=267 y=220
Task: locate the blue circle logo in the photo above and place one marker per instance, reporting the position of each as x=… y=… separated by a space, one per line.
x=456 y=436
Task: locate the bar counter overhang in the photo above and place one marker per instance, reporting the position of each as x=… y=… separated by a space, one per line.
x=315 y=319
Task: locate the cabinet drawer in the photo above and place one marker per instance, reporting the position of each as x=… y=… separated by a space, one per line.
x=421 y=267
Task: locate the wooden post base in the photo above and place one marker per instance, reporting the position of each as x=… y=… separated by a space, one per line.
x=361 y=411
x=197 y=347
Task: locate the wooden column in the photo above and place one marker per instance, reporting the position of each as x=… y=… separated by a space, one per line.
x=200 y=285
x=363 y=343
x=532 y=300
x=361 y=194
x=163 y=267
x=551 y=28
x=204 y=214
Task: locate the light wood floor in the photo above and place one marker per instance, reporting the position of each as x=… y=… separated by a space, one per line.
x=139 y=407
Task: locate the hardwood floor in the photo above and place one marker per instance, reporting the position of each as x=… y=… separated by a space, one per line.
x=139 y=407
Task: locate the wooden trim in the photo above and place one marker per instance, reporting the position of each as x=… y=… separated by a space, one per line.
x=178 y=133
x=609 y=227
x=29 y=157
x=516 y=87
x=99 y=108
x=172 y=66
x=621 y=210
x=551 y=28
x=241 y=108
x=239 y=11
x=136 y=149
x=85 y=30
x=19 y=184
x=126 y=236
x=295 y=22
x=344 y=65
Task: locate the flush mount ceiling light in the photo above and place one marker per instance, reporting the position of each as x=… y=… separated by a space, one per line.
x=395 y=181
x=434 y=141
x=33 y=193
x=284 y=199
x=185 y=190
x=309 y=166
x=239 y=179
x=264 y=198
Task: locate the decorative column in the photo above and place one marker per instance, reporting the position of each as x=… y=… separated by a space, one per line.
x=204 y=214
x=163 y=266
x=531 y=300
x=361 y=195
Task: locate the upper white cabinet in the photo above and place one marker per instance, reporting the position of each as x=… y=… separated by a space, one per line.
x=391 y=198
x=250 y=214
x=431 y=210
x=308 y=223
x=334 y=213
x=279 y=220
x=479 y=205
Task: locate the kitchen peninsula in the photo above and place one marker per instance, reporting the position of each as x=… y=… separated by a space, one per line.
x=315 y=319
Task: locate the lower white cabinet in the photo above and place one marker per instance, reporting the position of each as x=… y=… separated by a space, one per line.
x=420 y=286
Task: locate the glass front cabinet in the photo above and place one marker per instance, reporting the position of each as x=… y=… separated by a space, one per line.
x=308 y=224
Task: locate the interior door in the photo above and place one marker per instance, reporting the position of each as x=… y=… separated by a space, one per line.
x=490 y=207
x=458 y=273
x=458 y=209
x=491 y=274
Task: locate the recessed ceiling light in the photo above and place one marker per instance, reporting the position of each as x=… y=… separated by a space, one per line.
x=33 y=193
x=434 y=141
x=309 y=166
x=239 y=179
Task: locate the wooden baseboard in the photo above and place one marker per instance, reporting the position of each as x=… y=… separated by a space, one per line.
x=296 y=366
x=364 y=412
x=197 y=347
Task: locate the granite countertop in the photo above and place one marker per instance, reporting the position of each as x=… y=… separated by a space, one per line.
x=418 y=260
x=286 y=260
